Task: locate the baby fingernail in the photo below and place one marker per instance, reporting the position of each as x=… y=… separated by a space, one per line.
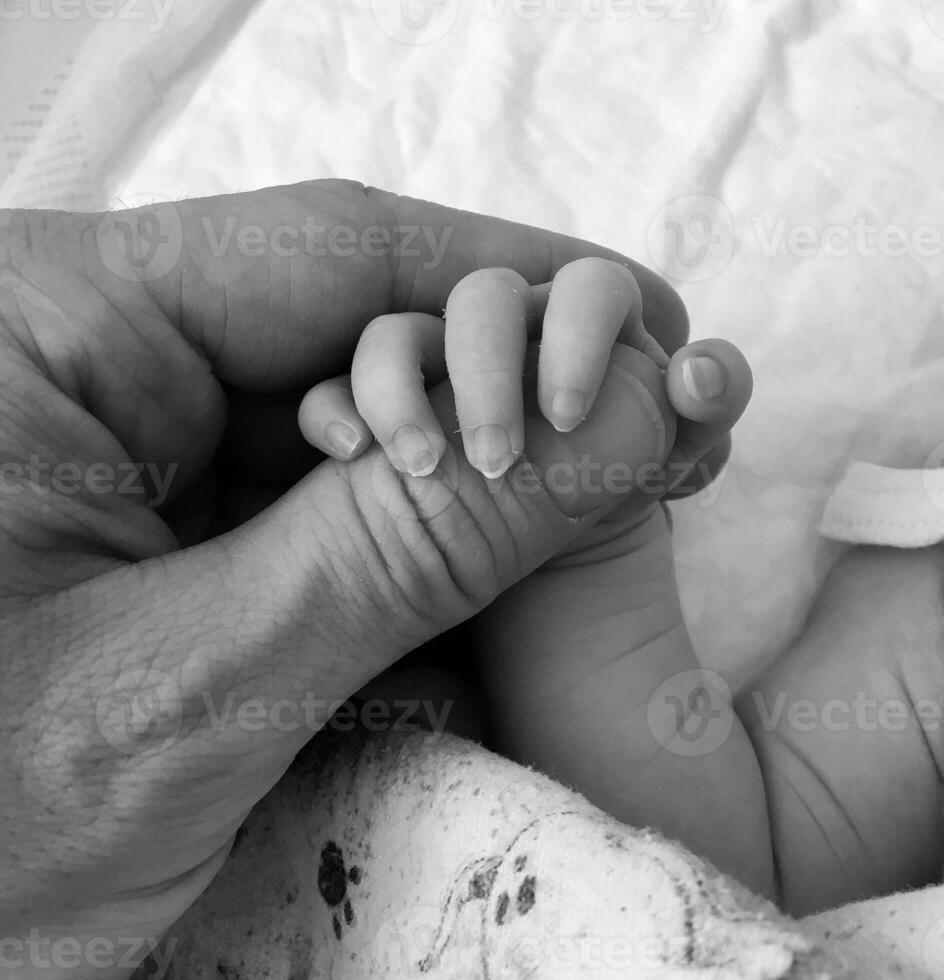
x=414 y=451
x=344 y=438
x=704 y=378
x=568 y=409
x=493 y=452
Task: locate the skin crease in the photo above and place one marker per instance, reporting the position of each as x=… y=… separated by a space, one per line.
x=783 y=807
x=97 y=602
x=99 y=607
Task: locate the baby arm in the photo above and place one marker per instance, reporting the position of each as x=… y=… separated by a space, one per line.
x=821 y=786
x=593 y=679
x=571 y=657
x=847 y=726
x=590 y=670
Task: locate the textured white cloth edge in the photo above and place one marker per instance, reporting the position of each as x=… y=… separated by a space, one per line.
x=884 y=506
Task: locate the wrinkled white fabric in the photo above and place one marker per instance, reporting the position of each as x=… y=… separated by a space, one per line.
x=893 y=507
x=86 y=87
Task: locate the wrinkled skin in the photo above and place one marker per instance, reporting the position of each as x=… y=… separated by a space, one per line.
x=195 y=373
x=122 y=790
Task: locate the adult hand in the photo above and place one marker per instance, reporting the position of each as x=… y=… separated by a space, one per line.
x=151 y=364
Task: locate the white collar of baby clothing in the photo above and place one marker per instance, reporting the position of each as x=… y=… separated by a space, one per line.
x=884 y=506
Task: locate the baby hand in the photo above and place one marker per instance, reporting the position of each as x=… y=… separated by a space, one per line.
x=570 y=657
x=490 y=318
